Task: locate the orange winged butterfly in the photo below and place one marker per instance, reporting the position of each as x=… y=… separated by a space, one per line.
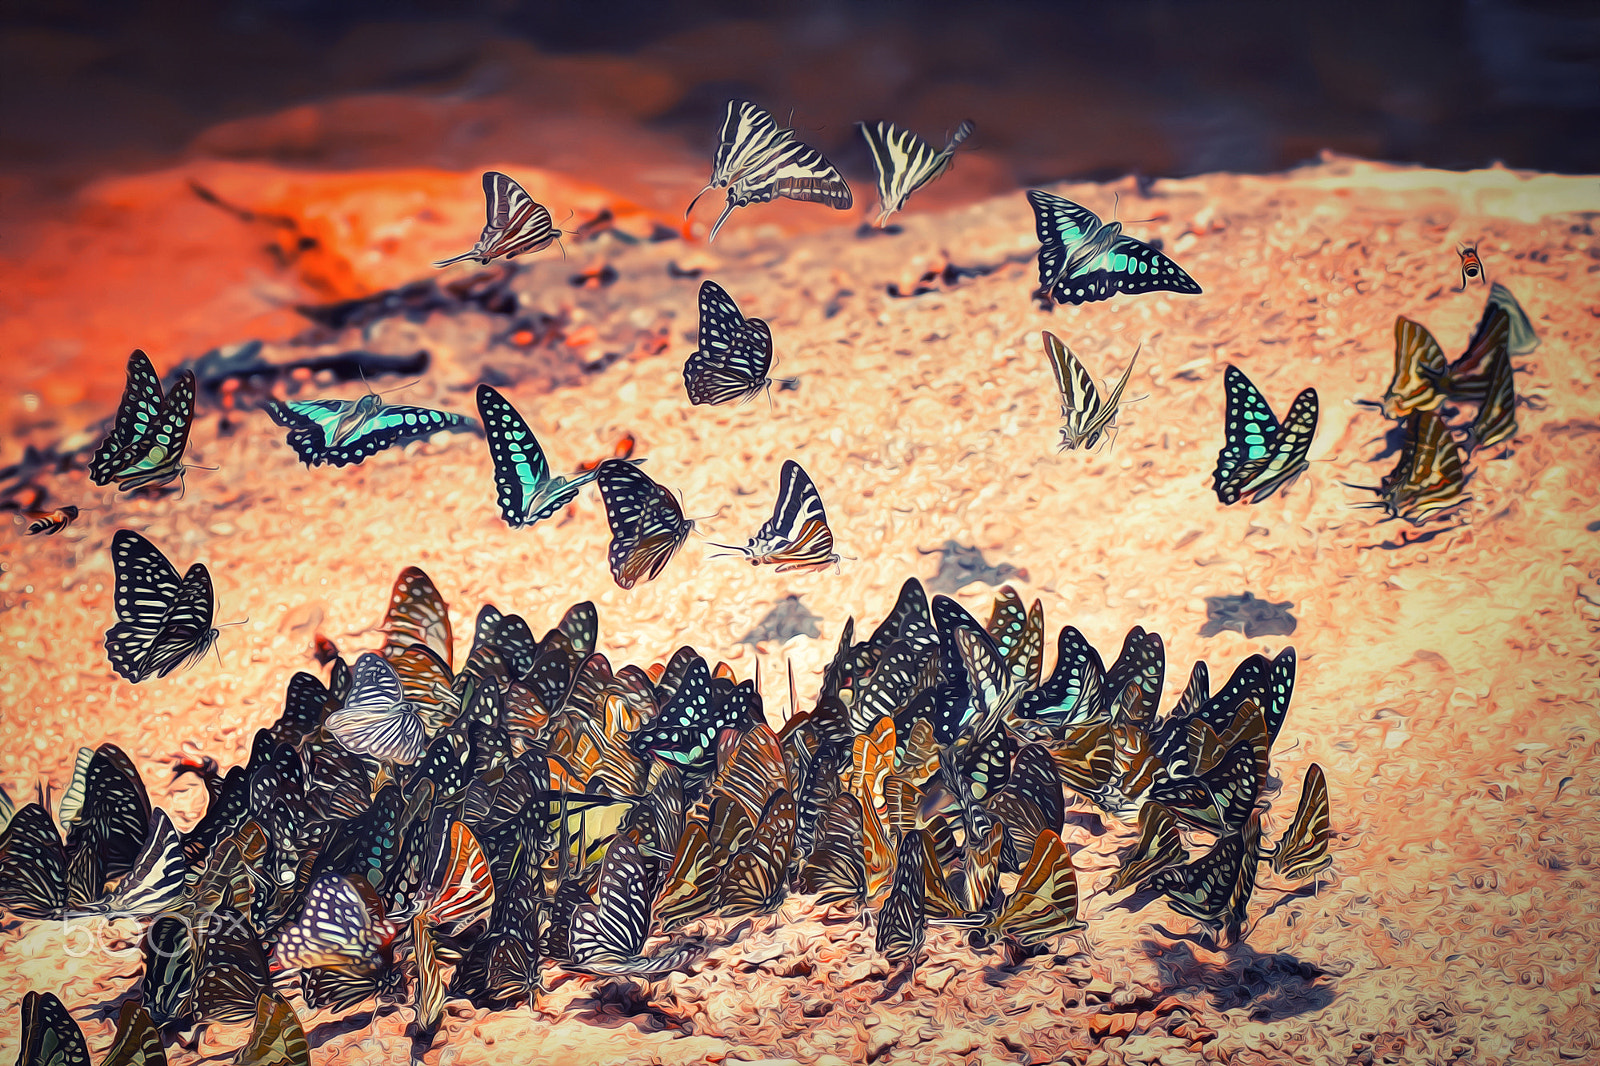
x=513 y=223
x=735 y=352
x=417 y=614
x=647 y=524
x=163 y=621
x=756 y=161
x=797 y=536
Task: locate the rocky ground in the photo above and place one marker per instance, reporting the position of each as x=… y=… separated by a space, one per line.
x=1447 y=679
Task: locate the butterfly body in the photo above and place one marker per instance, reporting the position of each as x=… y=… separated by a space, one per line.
x=905 y=162
x=163 y=621
x=513 y=225
x=647 y=524
x=735 y=352
x=797 y=536
x=342 y=432
x=1082 y=259
x=1259 y=456
x=756 y=161
x=145 y=446
x=1084 y=418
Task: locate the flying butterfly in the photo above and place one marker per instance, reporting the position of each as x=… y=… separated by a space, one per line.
x=524 y=486
x=1082 y=259
x=905 y=162
x=1303 y=849
x=1083 y=417
x=756 y=162
x=1258 y=455
x=735 y=352
x=797 y=536
x=50 y=522
x=342 y=432
x=145 y=446
x=163 y=621
x=513 y=223
x=1471 y=265
x=1429 y=479
x=376 y=718
x=647 y=523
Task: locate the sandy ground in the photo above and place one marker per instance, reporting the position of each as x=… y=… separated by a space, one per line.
x=1447 y=677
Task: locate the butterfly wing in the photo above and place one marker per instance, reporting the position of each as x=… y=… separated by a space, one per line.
x=1522 y=337
x=1497 y=415
x=1303 y=849
x=797 y=536
x=376 y=719
x=523 y=486
x=49 y=1035
x=1061 y=226
x=141 y=399
x=1435 y=480
x=759 y=162
x=905 y=162
x=417 y=614
x=1248 y=435
x=1418 y=363
x=1287 y=457
x=735 y=353
x=514 y=222
x=33 y=865
x=147 y=589
x=186 y=632
x=1128 y=265
x=321 y=432
x=156 y=456
x=647 y=525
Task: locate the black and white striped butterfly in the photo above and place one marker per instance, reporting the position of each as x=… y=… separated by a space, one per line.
x=376 y=718
x=145 y=446
x=756 y=162
x=647 y=524
x=607 y=936
x=906 y=162
x=163 y=621
x=1083 y=259
x=524 y=486
x=1258 y=455
x=1083 y=417
x=735 y=352
x=797 y=536
x=513 y=223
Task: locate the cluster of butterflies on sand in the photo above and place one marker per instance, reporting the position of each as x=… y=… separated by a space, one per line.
x=410 y=832
x=1430 y=479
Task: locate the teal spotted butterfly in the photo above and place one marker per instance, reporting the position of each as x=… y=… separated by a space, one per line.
x=1083 y=259
x=342 y=432
x=1259 y=456
x=145 y=446
x=523 y=484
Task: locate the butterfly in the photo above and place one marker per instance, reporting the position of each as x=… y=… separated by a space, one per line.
x=1467 y=378
x=836 y=869
x=1471 y=265
x=1159 y=846
x=1084 y=417
x=335 y=928
x=1418 y=363
x=1429 y=479
x=903 y=919
x=155 y=882
x=276 y=1038
x=163 y=621
x=233 y=969
x=1045 y=901
x=647 y=524
x=170 y=969
x=1303 y=848
x=797 y=536
x=1216 y=887
x=513 y=223
x=51 y=522
x=464 y=886
x=145 y=446
x=906 y=162
x=735 y=352
x=376 y=719
x=33 y=865
x=1522 y=339
x=49 y=1035
x=1074 y=693
x=756 y=161
x=756 y=880
x=1497 y=414
x=524 y=486
x=1083 y=259
x=417 y=614
x=342 y=432
x=1258 y=455
x=607 y=935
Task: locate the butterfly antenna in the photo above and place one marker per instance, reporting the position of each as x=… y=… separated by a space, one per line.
x=794 y=702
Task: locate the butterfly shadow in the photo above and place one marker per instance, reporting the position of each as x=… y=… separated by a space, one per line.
x=318 y=1035
x=617 y=1001
x=1271 y=986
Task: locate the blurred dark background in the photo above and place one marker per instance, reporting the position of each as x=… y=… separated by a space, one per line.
x=1156 y=87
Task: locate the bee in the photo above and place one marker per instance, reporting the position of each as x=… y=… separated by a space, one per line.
x=51 y=522
x=1471 y=265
